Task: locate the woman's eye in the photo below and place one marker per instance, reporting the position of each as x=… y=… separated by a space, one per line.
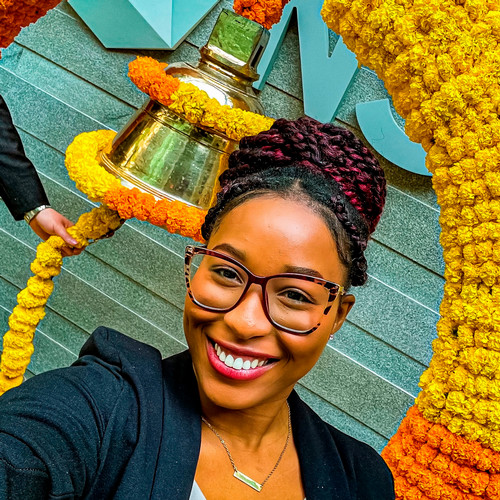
x=297 y=296
x=227 y=274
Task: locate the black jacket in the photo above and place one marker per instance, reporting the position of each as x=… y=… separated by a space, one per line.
x=20 y=186
x=123 y=424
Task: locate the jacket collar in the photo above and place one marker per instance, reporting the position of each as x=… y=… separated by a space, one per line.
x=323 y=474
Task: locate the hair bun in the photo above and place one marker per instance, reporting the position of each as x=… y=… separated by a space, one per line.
x=333 y=151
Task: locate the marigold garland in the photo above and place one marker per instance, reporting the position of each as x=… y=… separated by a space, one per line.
x=174 y=216
x=440 y=61
x=99 y=185
x=16 y=14
x=18 y=341
x=192 y=103
x=265 y=12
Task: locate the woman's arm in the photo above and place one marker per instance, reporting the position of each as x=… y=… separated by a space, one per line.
x=51 y=430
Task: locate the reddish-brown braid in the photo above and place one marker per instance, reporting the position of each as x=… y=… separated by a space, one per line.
x=353 y=185
x=334 y=151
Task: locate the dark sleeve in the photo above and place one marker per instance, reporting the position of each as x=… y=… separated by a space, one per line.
x=51 y=430
x=20 y=186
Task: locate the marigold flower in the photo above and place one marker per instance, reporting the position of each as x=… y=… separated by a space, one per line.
x=445 y=83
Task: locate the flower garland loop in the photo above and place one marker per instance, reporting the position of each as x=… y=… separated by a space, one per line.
x=120 y=203
x=99 y=185
x=193 y=103
x=440 y=61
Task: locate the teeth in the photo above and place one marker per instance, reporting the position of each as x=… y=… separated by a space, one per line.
x=238 y=363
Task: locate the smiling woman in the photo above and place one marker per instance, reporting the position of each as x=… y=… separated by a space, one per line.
x=285 y=242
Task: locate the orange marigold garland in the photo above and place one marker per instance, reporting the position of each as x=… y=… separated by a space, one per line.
x=149 y=76
x=98 y=184
x=265 y=12
x=16 y=14
x=193 y=103
x=174 y=216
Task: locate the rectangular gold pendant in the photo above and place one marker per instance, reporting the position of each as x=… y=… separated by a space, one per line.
x=247 y=480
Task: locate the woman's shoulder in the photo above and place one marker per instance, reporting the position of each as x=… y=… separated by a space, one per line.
x=110 y=365
x=364 y=470
x=368 y=467
x=74 y=426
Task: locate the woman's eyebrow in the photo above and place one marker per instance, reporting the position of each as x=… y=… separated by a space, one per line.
x=226 y=247
x=240 y=255
x=303 y=270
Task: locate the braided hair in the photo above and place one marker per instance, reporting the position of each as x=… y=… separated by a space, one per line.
x=326 y=165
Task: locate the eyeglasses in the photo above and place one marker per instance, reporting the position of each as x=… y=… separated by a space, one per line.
x=294 y=303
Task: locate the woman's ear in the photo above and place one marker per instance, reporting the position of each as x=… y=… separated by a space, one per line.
x=346 y=303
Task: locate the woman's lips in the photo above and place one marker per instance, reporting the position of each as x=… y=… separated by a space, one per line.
x=221 y=367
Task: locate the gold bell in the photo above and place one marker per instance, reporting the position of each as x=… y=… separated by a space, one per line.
x=163 y=154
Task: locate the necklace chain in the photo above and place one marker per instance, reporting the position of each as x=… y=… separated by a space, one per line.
x=236 y=471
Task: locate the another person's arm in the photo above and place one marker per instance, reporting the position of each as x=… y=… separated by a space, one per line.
x=21 y=189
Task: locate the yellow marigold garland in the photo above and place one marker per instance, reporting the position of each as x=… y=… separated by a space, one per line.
x=440 y=61
x=83 y=168
x=18 y=341
x=99 y=185
x=16 y=14
x=194 y=104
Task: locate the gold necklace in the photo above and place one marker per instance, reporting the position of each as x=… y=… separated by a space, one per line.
x=238 y=474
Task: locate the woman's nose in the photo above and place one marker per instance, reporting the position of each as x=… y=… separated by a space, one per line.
x=248 y=319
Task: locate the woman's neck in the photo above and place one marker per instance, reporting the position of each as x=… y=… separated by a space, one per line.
x=250 y=428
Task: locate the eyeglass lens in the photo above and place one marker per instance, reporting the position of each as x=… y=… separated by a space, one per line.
x=293 y=303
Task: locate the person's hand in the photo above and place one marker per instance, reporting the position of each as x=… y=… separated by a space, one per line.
x=48 y=222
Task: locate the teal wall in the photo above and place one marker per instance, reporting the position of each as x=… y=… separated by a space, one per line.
x=59 y=81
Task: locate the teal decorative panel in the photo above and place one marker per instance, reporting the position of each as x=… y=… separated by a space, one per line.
x=324 y=85
x=384 y=134
x=155 y=24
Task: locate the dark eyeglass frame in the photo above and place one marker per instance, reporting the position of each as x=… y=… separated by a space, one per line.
x=334 y=289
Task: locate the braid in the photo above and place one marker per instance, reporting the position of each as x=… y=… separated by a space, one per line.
x=359 y=240
x=327 y=164
x=334 y=151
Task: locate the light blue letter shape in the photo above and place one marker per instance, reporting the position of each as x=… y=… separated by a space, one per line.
x=142 y=24
x=326 y=80
x=383 y=133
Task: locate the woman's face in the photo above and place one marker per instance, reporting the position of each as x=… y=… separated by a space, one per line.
x=268 y=235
